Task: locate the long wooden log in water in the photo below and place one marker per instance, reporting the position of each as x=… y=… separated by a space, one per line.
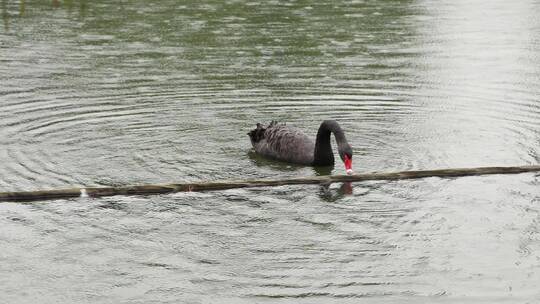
x=223 y=185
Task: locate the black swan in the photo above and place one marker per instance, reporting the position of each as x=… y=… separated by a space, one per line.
x=290 y=144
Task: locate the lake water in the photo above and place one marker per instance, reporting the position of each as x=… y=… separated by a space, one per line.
x=101 y=93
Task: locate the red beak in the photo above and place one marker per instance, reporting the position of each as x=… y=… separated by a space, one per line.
x=348 y=165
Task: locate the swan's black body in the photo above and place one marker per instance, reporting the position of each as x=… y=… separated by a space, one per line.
x=289 y=144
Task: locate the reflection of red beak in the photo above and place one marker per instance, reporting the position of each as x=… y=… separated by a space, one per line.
x=348 y=165
x=346 y=187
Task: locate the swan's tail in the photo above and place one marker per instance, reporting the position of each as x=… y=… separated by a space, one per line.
x=257 y=134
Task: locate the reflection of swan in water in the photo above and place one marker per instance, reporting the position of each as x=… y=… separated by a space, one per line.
x=325 y=193
x=332 y=195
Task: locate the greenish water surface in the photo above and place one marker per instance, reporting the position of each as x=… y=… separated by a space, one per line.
x=100 y=93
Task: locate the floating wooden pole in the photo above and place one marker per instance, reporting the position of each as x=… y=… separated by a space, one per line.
x=223 y=185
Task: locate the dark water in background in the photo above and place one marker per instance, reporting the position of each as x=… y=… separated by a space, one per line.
x=95 y=93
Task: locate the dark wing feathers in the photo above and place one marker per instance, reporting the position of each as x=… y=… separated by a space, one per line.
x=282 y=142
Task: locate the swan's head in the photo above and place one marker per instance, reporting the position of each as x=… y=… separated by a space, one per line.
x=346 y=156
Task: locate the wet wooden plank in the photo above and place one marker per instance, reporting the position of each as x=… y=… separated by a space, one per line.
x=224 y=185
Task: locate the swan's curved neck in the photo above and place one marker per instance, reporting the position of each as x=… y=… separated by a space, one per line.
x=323 y=149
